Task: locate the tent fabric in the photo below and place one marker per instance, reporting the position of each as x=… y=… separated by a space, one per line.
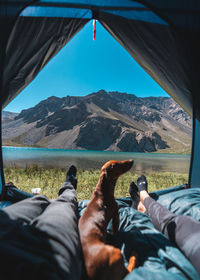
x=162 y=36
x=1 y=168
x=159 y=259
x=99 y=4
x=195 y=159
x=170 y=60
x=56 y=12
x=140 y=15
x=155 y=48
x=177 y=83
x=32 y=43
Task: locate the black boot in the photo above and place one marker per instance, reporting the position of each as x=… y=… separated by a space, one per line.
x=71 y=176
x=133 y=190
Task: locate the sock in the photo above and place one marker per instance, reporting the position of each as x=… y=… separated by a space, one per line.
x=70 y=176
x=133 y=190
x=142 y=183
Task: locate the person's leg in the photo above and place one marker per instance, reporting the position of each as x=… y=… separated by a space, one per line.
x=60 y=222
x=133 y=191
x=183 y=231
x=27 y=209
x=136 y=204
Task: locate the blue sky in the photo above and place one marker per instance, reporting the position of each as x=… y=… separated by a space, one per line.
x=84 y=66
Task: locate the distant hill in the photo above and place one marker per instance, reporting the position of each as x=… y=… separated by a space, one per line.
x=8 y=116
x=102 y=121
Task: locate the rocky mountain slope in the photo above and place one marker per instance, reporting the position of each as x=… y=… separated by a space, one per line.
x=8 y=116
x=102 y=121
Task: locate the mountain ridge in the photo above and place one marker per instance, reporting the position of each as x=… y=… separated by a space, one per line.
x=102 y=121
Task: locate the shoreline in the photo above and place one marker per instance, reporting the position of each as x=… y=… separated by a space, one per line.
x=50 y=180
x=85 y=159
x=92 y=151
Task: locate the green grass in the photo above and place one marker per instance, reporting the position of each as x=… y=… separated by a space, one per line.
x=50 y=180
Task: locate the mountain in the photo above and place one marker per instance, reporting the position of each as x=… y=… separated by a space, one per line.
x=102 y=121
x=8 y=116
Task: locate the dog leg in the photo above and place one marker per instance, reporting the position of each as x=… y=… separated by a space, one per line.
x=115 y=222
x=116 y=268
x=133 y=261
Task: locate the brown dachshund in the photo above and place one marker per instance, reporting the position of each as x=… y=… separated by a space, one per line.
x=103 y=262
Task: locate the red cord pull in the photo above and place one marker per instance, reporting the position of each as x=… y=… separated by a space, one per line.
x=94 y=29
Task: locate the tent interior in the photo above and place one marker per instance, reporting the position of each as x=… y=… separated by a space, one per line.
x=163 y=37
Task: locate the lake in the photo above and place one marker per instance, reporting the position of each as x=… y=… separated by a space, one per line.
x=144 y=162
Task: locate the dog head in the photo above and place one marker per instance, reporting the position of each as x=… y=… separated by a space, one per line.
x=116 y=168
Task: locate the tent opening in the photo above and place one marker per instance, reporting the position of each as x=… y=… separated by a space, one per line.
x=92 y=103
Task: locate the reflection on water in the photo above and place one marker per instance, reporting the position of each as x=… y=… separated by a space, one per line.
x=144 y=162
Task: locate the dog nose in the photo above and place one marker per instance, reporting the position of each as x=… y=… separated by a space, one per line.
x=130 y=162
x=127 y=164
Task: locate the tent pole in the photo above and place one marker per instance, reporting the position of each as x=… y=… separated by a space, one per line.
x=194 y=181
x=192 y=150
x=2 y=183
x=2 y=59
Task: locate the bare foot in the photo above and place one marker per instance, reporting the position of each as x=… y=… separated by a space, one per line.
x=142 y=185
x=141 y=208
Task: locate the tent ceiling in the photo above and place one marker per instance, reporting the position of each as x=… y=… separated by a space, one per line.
x=56 y=12
x=153 y=32
x=172 y=16
x=175 y=12
x=96 y=3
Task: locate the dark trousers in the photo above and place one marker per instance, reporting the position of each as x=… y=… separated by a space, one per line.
x=39 y=238
x=183 y=231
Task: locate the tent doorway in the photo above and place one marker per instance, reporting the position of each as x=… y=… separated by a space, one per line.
x=84 y=66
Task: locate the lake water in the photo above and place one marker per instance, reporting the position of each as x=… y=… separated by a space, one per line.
x=144 y=162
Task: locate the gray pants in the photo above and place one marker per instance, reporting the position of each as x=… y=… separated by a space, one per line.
x=183 y=231
x=39 y=238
